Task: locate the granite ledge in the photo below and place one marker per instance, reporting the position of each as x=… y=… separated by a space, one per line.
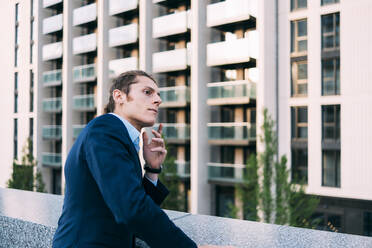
x=29 y=219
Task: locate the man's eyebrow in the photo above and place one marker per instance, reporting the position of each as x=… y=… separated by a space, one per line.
x=153 y=90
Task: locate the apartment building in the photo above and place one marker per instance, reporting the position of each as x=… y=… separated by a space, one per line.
x=218 y=64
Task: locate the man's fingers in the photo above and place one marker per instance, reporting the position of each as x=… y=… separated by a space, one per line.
x=159 y=141
x=156 y=134
x=159 y=149
x=160 y=129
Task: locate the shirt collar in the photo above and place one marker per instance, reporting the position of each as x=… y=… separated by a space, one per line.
x=133 y=132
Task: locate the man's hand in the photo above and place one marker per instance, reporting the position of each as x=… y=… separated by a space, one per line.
x=154 y=152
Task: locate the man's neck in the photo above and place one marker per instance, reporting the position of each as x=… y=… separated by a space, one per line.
x=131 y=121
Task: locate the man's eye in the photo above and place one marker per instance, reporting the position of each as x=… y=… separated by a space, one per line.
x=147 y=92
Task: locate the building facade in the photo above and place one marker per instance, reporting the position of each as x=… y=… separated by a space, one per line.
x=218 y=65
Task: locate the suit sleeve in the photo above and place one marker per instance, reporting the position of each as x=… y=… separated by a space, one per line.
x=114 y=171
x=157 y=193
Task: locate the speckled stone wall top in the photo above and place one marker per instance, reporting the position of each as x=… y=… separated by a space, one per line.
x=29 y=219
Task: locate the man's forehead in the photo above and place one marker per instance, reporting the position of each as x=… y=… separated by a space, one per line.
x=146 y=82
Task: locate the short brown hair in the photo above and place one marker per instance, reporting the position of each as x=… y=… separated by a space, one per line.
x=123 y=83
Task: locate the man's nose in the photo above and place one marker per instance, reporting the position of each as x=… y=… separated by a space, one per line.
x=157 y=100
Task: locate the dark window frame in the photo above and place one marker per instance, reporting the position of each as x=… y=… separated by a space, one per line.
x=335 y=124
x=296 y=39
x=336 y=183
x=328 y=3
x=335 y=77
x=296 y=125
x=335 y=33
x=294 y=5
x=296 y=82
x=299 y=172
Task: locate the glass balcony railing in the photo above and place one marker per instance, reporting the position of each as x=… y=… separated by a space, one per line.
x=52 y=24
x=233 y=51
x=183 y=168
x=175 y=131
x=230 y=11
x=85 y=14
x=76 y=130
x=120 y=6
x=118 y=66
x=52 y=105
x=225 y=172
x=84 y=73
x=177 y=96
x=171 y=24
x=52 y=51
x=123 y=35
x=52 y=78
x=84 y=102
x=84 y=44
x=52 y=132
x=52 y=159
x=232 y=92
x=234 y=132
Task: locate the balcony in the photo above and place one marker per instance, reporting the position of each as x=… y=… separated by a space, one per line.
x=239 y=51
x=231 y=12
x=177 y=96
x=76 y=130
x=183 y=168
x=52 y=132
x=225 y=173
x=52 y=51
x=53 y=24
x=84 y=73
x=179 y=57
x=118 y=66
x=170 y=25
x=120 y=6
x=233 y=133
x=123 y=35
x=177 y=133
x=84 y=102
x=84 y=44
x=52 y=160
x=50 y=3
x=85 y=14
x=52 y=78
x=232 y=92
x=52 y=105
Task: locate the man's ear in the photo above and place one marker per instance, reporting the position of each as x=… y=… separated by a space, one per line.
x=119 y=96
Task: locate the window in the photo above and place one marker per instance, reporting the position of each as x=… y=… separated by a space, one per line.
x=331 y=122
x=32 y=30
x=324 y=2
x=299 y=165
x=31 y=135
x=331 y=31
x=331 y=168
x=15 y=140
x=16 y=56
x=16 y=92
x=299 y=78
x=299 y=122
x=16 y=34
x=331 y=76
x=31 y=51
x=16 y=12
x=31 y=91
x=32 y=8
x=298 y=4
x=299 y=36
x=367 y=224
x=225 y=196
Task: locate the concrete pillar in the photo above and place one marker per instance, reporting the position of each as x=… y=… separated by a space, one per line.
x=200 y=74
x=145 y=35
x=103 y=55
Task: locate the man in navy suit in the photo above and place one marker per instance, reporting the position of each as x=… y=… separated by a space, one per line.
x=107 y=200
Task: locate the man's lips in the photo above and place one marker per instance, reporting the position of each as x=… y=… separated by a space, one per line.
x=154 y=110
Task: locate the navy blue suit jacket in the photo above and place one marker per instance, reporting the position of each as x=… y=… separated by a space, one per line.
x=107 y=201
